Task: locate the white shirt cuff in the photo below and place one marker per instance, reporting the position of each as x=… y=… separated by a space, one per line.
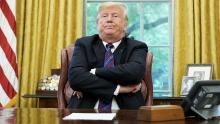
x=93 y=71
x=117 y=90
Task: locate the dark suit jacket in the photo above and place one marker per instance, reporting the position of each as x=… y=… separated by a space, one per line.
x=130 y=59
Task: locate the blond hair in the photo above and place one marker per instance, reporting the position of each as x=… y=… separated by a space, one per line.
x=109 y=4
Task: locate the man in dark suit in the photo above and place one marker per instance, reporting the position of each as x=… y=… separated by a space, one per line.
x=106 y=69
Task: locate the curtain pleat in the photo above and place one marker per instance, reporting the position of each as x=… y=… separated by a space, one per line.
x=197 y=39
x=44 y=27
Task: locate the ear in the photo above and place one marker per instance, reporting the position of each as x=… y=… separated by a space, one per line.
x=125 y=26
x=97 y=20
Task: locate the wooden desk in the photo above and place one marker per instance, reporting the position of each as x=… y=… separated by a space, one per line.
x=46 y=99
x=167 y=100
x=54 y=116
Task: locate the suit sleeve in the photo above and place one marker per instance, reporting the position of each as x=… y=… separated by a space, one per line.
x=82 y=80
x=131 y=72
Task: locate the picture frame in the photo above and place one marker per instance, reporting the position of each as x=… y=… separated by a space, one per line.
x=187 y=84
x=201 y=71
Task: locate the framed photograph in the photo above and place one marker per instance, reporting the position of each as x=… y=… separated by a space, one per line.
x=187 y=83
x=200 y=71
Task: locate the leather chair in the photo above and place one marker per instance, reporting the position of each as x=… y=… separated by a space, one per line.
x=64 y=91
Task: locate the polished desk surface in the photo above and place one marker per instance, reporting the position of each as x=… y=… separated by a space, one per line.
x=54 y=116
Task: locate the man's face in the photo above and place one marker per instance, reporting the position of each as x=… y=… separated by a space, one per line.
x=111 y=22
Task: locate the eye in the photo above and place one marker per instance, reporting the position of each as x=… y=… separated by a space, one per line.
x=104 y=15
x=115 y=15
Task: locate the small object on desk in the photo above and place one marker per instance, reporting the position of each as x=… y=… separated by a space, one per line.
x=160 y=113
x=90 y=116
x=49 y=83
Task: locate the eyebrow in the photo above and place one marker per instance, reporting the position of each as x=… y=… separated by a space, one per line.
x=114 y=13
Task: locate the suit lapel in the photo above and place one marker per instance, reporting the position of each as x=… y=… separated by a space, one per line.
x=99 y=52
x=119 y=53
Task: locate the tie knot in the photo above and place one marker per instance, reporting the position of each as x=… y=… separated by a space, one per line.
x=109 y=46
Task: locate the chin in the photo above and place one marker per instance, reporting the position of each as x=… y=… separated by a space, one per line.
x=108 y=33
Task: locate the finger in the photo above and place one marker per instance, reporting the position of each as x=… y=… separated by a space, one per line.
x=81 y=94
x=140 y=85
x=74 y=93
x=78 y=96
x=134 y=90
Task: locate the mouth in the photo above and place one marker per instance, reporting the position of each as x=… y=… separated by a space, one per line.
x=109 y=27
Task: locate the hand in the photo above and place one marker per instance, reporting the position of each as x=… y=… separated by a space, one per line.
x=137 y=88
x=130 y=88
x=78 y=94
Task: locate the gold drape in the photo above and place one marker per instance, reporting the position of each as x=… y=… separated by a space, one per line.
x=31 y=116
x=197 y=39
x=44 y=27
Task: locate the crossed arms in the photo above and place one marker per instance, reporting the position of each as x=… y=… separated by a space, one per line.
x=104 y=82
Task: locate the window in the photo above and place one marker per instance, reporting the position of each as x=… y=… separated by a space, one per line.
x=149 y=21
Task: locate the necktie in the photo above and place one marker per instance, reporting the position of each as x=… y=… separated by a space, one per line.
x=108 y=63
x=109 y=58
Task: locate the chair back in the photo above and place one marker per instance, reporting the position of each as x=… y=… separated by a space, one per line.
x=147 y=83
x=65 y=92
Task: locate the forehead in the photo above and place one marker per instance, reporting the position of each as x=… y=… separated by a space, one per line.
x=112 y=9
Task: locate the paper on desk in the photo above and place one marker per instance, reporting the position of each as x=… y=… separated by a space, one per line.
x=90 y=116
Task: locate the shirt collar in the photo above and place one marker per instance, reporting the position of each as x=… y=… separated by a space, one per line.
x=115 y=44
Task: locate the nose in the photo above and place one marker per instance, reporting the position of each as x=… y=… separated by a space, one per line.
x=109 y=18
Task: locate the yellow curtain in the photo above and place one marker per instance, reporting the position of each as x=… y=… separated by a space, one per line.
x=31 y=116
x=44 y=27
x=197 y=40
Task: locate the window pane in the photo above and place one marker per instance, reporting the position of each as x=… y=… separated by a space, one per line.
x=161 y=71
x=133 y=20
x=156 y=26
x=91 y=18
